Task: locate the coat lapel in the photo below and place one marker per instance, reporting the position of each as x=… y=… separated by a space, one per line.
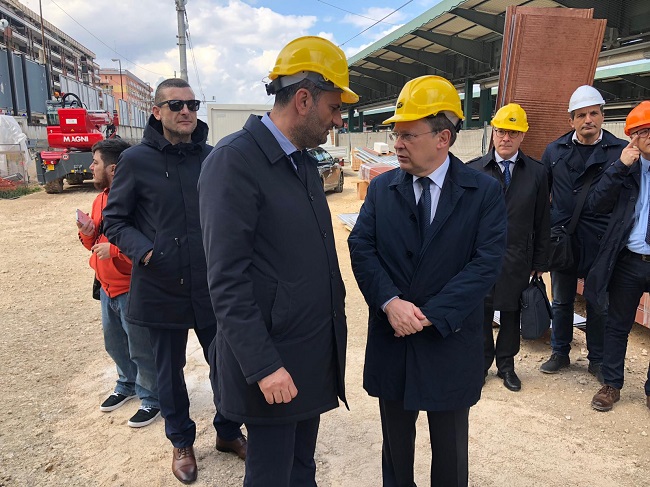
x=403 y=184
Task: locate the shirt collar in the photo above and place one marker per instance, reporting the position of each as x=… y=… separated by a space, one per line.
x=575 y=140
x=437 y=176
x=498 y=158
x=645 y=164
x=285 y=144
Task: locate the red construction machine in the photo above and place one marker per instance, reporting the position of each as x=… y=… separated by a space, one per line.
x=71 y=132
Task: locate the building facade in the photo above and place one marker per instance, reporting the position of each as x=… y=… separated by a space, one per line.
x=124 y=85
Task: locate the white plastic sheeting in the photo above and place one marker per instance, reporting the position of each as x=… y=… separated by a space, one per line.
x=13 y=148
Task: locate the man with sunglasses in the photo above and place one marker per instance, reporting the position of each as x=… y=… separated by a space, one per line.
x=279 y=356
x=152 y=215
x=525 y=185
x=579 y=156
x=622 y=266
x=426 y=249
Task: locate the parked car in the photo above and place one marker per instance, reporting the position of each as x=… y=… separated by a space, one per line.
x=329 y=168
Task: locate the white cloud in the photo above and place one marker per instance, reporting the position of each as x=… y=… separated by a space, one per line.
x=374 y=13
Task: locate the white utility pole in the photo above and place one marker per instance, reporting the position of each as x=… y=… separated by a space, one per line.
x=180 y=14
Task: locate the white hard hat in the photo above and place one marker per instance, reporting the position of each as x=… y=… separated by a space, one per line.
x=585 y=96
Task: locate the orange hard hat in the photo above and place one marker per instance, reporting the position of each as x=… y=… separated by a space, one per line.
x=638 y=117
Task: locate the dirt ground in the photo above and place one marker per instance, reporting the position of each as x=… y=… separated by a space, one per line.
x=55 y=373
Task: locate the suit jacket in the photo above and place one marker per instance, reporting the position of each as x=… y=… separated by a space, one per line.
x=529 y=228
x=447 y=277
x=274 y=279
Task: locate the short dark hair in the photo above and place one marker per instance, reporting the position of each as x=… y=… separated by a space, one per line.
x=602 y=111
x=169 y=83
x=110 y=149
x=284 y=96
x=440 y=122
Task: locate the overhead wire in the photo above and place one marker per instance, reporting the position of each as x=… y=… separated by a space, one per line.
x=378 y=21
x=353 y=13
x=191 y=46
x=109 y=47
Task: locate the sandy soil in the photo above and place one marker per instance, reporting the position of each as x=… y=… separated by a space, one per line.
x=55 y=373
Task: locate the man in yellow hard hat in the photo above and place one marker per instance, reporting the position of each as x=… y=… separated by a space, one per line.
x=525 y=184
x=622 y=266
x=273 y=273
x=426 y=249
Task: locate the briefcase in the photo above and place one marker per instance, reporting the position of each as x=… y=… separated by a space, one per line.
x=536 y=312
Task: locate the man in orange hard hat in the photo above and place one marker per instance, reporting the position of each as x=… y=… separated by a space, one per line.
x=274 y=279
x=622 y=266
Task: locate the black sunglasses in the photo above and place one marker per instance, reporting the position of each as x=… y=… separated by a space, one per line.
x=177 y=105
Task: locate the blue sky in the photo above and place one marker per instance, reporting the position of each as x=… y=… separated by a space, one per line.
x=235 y=42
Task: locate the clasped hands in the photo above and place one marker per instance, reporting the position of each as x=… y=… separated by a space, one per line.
x=405 y=317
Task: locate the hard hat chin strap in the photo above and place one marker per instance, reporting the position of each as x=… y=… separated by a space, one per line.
x=283 y=81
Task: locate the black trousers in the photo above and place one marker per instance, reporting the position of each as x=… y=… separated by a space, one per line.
x=507 y=343
x=630 y=279
x=281 y=455
x=169 y=348
x=448 y=431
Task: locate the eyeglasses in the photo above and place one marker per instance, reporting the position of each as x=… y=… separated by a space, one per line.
x=406 y=137
x=643 y=133
x=513 y=134
x=177 y=105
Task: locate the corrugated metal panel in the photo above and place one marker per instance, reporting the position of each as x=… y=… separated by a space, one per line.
x=541 y=80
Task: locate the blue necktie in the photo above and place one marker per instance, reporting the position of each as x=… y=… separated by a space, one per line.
x=424 y=206
x=506 y=172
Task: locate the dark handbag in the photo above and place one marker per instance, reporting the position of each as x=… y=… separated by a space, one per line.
x=560 y=252
x=96 y=287
x=536 y=311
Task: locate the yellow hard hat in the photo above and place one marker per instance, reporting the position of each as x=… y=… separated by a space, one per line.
x=305 y=56
x=424 y=96
x=510 y=117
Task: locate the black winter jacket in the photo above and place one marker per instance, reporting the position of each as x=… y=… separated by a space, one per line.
x=567 y=170
x=153 y=204
x=616 y=194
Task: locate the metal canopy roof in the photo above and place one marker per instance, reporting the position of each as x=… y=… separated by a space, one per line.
x=461 y=40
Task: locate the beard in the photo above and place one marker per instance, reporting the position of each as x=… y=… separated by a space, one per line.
x=312 y=133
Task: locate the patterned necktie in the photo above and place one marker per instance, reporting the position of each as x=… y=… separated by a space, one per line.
x=424 y=206
x=506 y=172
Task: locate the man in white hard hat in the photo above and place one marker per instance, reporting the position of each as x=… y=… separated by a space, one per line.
x=578 y=156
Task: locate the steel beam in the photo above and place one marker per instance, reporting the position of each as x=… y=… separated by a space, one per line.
x=495 y=23
x=471 y=49
x=430 y=59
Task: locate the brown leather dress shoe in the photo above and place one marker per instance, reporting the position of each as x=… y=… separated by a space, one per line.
x=605 y=398
x=184 y=465
x=237 y=446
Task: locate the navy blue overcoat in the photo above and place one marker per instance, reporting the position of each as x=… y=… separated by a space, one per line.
x=447 y=277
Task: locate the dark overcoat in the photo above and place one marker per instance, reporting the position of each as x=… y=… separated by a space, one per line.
x=616 y=194
x=567 y=171
x=529 y=230
x=274 y=279
x=447 y=277
x=154 y=204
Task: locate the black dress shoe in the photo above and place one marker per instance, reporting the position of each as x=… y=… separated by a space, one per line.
x=510 y=380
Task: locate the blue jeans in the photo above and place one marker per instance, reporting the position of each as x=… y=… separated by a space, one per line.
x=563 y=285
x=130 y=348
